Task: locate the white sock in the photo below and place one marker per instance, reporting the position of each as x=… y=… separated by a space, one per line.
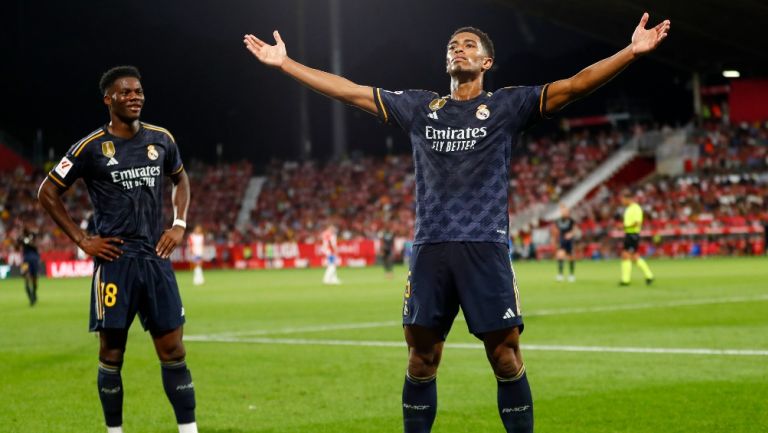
x=333 y=273
x=115 y=429
x=188 y=428
x=329 y=271
x=198 y=275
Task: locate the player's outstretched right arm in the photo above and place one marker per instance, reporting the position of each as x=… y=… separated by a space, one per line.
x=330 y=85
x=49 y=196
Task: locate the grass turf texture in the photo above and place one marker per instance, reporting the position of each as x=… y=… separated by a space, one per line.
x=48 y=359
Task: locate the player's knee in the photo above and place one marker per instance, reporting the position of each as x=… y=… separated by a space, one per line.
x=111 y=356
x=423 y=364
x=506 y=360
x=172 y=352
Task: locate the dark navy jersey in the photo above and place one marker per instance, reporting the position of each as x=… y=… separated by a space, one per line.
x=28 y=243
x=125 y=182
x=564 y=226
x=461 y=155
x=387 y=242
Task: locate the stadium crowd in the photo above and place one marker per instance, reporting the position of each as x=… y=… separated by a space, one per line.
x=19 y=209
x=725 y=191
x=217 y=189
x=361 y=197
x=549 y=166
x=727 y=186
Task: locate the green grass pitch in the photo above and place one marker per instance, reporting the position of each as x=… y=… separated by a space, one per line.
x=276 y=351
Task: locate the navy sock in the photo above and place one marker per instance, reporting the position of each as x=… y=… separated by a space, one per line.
x=516 y=403
x=572 y=266
x=419 y=404
x=110 y=385
x=177 y=382
x=560 y=267
x=28 y=289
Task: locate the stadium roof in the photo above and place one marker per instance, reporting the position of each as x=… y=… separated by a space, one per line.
x=707 y=35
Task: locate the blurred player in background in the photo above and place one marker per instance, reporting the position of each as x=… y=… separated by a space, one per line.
x=566 y=232
x=330 y=250
x=388 y=251
x=765 y=233
x=462 y=149
x=123 y=164
x=30 y=263
x=633 y=224
x=88 y=226
x=196 y=245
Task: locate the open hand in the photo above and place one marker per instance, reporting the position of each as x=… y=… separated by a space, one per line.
x=646 y=40
x=168 y=242
x=270 y=55
x=103 y=248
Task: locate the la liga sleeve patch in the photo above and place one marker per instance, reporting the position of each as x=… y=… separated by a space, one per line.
x=63 y=168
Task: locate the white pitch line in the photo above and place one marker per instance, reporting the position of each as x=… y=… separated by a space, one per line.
x=550 y=312
x=648 y=305
x=477 y=346
x=313 y=328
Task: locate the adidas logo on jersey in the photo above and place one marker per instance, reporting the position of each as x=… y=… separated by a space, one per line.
x=432 y=115
x=112 y=161
x=508 y=314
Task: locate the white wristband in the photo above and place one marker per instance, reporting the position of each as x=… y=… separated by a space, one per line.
x=180 y=223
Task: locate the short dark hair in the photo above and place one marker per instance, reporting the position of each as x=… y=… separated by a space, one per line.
x=628 y=193
x=484 y=38
x=109 y=77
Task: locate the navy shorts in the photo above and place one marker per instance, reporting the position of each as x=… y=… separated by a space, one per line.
x=567 y=246
x=131 y=285
x=30 y=264
x=631 y=242
x=476 y=276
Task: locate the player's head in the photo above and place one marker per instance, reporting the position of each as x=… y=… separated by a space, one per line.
x=122 y=92
x=627 y=197
x=469 y=51
x=198 y=229
x=564 y=211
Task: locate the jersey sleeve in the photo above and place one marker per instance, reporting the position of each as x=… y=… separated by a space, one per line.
x=71 y=166
x=526 y=104
x=172 y=164
x=397 y=107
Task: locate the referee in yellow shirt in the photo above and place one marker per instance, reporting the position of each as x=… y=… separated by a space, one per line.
x=633 y=223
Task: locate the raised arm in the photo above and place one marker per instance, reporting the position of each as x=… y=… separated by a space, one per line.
x=562 y=92
x=330 y=85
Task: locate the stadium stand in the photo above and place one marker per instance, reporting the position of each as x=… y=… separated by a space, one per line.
x=549 y=166
x=717 y=207
x=217 y=189
x=721 y=197
x=360 y=196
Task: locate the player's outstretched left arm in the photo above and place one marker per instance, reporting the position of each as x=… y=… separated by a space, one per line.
x=562 y=92
x=173 y=237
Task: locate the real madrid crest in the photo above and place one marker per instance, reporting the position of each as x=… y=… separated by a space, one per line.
x=482 y=112
x=437 y=104
x=152 y=152
x=108 y=149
